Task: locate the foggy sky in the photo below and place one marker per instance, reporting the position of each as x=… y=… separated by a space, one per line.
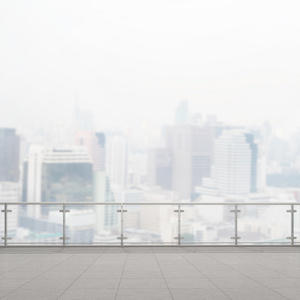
x=133 y=61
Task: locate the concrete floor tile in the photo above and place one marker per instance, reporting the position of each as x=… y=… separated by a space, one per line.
x=222 y=274
x=140 y=283
x=48 y=284
x=102 y=274
x=62 y=275
x=104 y=294
x=263 y=274
x=290 y=293
x=144 y=294
x=245 y=294
x=280 y=282
x=94 y=284
x=237 y=283
x=21 y=275
x=185 y=283
x=182 y=274
x=142 y=274
x=12 y=283
x=4 y=292
x=21 y=294
x=198 y=294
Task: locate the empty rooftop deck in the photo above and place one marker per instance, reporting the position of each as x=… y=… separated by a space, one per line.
x=150 y=273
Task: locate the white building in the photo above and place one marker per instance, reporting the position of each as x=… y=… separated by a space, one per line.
x=39 y=156
x=231 y=171
x=9 y=192
x=116 y=163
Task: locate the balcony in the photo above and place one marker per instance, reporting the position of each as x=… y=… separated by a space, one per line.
x=149 y=273
x=120 y=257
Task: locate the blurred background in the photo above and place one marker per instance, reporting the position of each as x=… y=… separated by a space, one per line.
x=134 y=102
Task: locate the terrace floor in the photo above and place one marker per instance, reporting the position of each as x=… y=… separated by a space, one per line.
x=150 y=273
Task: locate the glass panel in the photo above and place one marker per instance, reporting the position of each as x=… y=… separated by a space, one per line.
x=150 y=224
x=1 y=225
x=207 y=224
x=34 y=224
x=264 y=224
x=92 y=224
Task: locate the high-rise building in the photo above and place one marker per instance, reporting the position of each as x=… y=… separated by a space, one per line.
x=82 y=120
x=160 y=168
x=233 y=163
x=95 y=143
x=57 y=175
x=9 y=155
x=182 y=113
x=117 y=159
x=192 y=150
x=254 y=160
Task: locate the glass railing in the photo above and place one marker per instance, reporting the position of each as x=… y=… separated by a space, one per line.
x=124 y=224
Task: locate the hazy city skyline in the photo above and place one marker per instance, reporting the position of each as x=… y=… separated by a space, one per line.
x=133 y=62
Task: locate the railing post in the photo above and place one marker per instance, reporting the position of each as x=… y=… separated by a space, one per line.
x=236 y=237
x=64 y=211
x=5 y=224
x=179 y=237
x=292 y=225
x=292 y=237
x=64 y=225
x=5 y=211
x=122 y=226
x=122 y=238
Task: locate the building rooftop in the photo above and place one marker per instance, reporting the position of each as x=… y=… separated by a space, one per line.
x=149 y=273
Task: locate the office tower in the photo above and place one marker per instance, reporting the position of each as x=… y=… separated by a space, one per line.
x=192 y=150
x=233 y=163
x=95 y=143
x=182 y=113
x=160 y=168
x=9 y=192
x=254 y=160
x=261 y=168
x=116 y=164
x=82 y=120
x=196 y=119
x=57 y=175
x=9 y=155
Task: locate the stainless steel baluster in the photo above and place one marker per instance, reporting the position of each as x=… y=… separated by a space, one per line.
x=292 y=237
x=64 y=211
x=122 y=238
x=236 y=237
x=5 y=224
x=5 y=211
x=64 y=225
x=179 y=237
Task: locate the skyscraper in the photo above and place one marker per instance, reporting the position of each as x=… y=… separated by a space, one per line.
x=233 y=163
x=254 y=161
x=57 y=175
x=191 y=149
x=182 y=113
x=160 y=168
x=116 y=163
x=9 y=155
x=95 y=143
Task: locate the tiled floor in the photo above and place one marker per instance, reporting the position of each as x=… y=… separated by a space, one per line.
x=150 y=273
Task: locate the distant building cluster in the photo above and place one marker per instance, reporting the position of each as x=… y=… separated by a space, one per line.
x=195 y=160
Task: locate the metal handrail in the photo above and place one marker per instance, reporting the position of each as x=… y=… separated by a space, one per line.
x=150 y=203
x=178 y=210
